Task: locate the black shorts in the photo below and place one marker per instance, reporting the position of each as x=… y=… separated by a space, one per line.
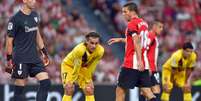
x=155 y=79
x=23 y=70
x=130 y=78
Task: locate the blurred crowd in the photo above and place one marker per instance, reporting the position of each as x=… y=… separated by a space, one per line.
x=62 y=28
x=181 y=18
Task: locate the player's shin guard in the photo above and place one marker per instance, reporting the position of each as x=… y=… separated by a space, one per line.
x=18 y=93
x=142 y=98
x=43 y=90
x=187 y=97
x=165 y=96
x=157 y=96
x=90 y=98
x=67 y=98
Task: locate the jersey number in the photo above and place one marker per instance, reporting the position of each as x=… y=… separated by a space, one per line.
x=144 y=38
x=64 y=75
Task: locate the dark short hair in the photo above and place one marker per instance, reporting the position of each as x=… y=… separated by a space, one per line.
x=92 y=34
x=187 y=45
x=132 y=7
x=155 y=22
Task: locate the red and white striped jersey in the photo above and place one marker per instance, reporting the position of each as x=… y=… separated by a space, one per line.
x=152 y=51
x=135 y=27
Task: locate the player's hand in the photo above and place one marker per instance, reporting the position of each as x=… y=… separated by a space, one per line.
x=113 y=40
x=9 y=66
x=45 y=57
x=69 y=86
x=45 y=60
x=166 y=87
x=140 y=66
x=89 y=86
x=187 y=87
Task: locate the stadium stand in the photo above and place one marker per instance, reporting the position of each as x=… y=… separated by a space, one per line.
x=62 y=30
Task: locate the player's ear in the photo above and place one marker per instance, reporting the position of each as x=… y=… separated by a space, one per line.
x=86 y=41
x=24 y=1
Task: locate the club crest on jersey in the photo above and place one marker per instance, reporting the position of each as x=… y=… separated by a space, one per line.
x=19 y=72
x=36 y=19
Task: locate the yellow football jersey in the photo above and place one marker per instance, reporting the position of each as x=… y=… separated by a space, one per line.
x=177 y=61
x=80 y=57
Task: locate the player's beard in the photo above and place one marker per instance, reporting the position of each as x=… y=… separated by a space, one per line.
x=128 y=18
x=91 y=50
x=28 y=7
x=31 y=7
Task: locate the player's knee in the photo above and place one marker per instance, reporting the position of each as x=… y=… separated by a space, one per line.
x=156 y=89
x=89 y=90
x=166 y=89
x=120 y=91
x=20 y=82
x=147 y=92
x=69 y=89
x=186 y=90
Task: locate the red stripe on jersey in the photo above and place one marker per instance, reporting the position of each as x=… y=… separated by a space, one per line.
x=153 y=51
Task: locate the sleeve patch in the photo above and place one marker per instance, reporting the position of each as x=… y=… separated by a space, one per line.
x=174 y=63
x=36 y=19
x=132 y=33
x=10 y=26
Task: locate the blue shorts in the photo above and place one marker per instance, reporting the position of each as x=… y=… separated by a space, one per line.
x=23 y=70
x=130 y=78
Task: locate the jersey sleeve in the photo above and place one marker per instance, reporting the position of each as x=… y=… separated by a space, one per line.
x=193 y=61
x=174 y=60
x=12 y=27
x=37 y=18
x=132 y=29
x=77 y=54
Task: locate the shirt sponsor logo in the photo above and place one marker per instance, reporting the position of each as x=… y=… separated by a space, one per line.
x=27 y=29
